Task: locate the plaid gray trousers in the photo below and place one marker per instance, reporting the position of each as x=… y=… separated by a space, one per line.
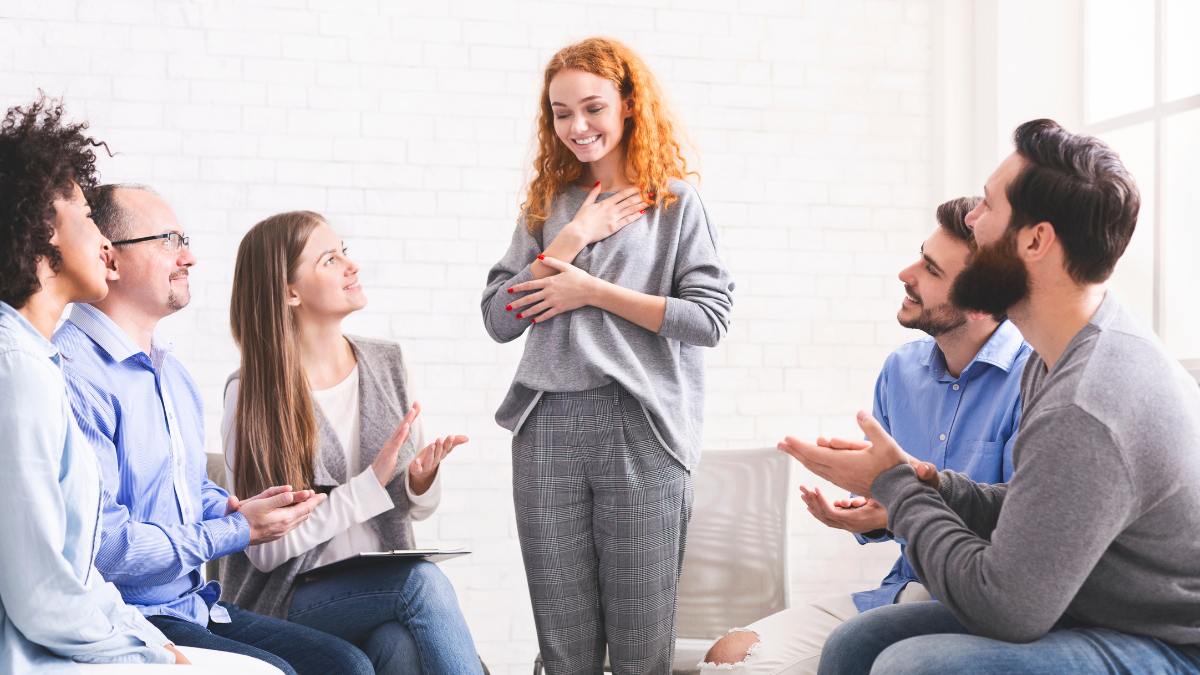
x=602 y=513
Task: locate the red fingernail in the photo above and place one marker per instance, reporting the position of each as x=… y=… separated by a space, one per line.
x=533 y=321
x=597 y=184
x=541 y=256
x=510 y=291
x=642 y=211
x=508 y=308
x=519 y=316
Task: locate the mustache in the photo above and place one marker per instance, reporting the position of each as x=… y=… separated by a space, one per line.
x=181 y=273
x=912 y=293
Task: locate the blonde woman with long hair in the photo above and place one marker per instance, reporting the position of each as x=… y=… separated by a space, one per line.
x=314 y=407
x=613 y=270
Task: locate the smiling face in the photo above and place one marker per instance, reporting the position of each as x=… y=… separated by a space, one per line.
x=926 y=304
x=152 y=275
x=83 y=249
x=325 y=285
x=589 y=115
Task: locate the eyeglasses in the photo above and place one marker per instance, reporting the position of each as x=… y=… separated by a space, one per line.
x=173 y=240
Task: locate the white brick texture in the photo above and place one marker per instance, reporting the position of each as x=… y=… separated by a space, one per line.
x=409 y=125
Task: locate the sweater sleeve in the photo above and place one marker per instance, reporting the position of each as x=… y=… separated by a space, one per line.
x=514 y=268
x=357 y=501
x=699 y=307
x=1060 y=513
x=977 y=504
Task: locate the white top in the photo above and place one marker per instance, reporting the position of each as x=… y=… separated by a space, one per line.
x=342 y=519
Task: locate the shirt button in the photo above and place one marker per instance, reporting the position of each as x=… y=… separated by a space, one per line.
x=941 y=437
x=954 y=386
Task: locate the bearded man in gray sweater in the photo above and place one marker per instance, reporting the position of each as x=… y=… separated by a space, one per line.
x=1088 y=559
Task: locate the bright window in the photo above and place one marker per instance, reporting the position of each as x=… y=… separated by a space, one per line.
x=1142 y=95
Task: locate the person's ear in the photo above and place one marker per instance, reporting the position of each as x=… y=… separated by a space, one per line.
x=627 y=108
x=110 y=265
x=1035 y=241
x=293 y=298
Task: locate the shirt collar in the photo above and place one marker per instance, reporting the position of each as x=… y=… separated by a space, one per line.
x=1001 y=350
x=103 y=331
x=26 y=333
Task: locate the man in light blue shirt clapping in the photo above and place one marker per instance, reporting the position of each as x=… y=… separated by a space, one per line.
x=951 y=398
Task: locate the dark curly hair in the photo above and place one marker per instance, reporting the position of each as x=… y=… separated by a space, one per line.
x=41 y=156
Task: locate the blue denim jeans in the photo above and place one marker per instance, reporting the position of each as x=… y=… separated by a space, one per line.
x=403 y=614
x=296 y=650
x=924 y=637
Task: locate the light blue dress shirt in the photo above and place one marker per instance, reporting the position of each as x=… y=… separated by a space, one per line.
x=966 y=423
x=55 y=609
x=163 y=517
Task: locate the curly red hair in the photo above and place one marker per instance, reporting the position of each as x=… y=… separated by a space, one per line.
x=653 y=155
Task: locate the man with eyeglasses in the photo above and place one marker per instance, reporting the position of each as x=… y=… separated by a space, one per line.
x=141 y=411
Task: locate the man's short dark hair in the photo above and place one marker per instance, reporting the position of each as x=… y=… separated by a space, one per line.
x=952 y=217
x=109 y=216
x=1079 y=185
x=41 y=156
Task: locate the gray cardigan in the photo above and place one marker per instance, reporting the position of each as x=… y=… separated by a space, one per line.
x=383 y=402
x=671 y=253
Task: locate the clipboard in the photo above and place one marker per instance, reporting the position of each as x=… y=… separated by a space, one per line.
x=368 y=558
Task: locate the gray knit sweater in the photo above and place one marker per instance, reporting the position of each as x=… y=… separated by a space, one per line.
x=669 y=252
x=383 y=402
x=1101 y=519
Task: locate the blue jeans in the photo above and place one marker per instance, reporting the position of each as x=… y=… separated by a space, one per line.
x=402 y=613
x=296 y=650
x=924 y=637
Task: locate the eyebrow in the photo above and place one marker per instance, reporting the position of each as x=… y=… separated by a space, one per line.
x=328 y=251
x=582 y=100
x=931 y=260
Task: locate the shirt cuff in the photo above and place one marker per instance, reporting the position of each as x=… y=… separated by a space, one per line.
x=228 y=535
x=423 y=505
x=874 y=536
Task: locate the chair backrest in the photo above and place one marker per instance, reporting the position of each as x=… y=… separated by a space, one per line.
x=735 y=568
x=216 y=469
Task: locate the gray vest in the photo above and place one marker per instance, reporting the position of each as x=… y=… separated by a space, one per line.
x=382 y=403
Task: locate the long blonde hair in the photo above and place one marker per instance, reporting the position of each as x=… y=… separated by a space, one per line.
x=653 y=155
x=276 y=432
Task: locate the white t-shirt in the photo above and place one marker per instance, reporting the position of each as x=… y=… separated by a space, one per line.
x=342 y=519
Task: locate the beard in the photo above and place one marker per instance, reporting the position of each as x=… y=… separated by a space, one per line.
x=935 y=321
x=994 y=279
x=178 y=300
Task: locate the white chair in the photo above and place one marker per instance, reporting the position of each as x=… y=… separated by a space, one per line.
x=735 y=567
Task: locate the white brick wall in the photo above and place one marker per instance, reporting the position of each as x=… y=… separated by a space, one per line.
x=408 y=125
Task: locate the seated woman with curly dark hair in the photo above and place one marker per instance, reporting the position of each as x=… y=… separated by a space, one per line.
x=54 y=606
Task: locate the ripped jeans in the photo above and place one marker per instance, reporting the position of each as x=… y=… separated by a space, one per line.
x=790 y=642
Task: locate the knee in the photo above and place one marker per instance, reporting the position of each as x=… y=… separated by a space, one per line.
x=734 y=648
x=428 y=580
x=355 y=661
x=914 y=656
x=428 y=592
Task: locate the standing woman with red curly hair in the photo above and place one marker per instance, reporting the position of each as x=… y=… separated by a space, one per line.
x=613 y=270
